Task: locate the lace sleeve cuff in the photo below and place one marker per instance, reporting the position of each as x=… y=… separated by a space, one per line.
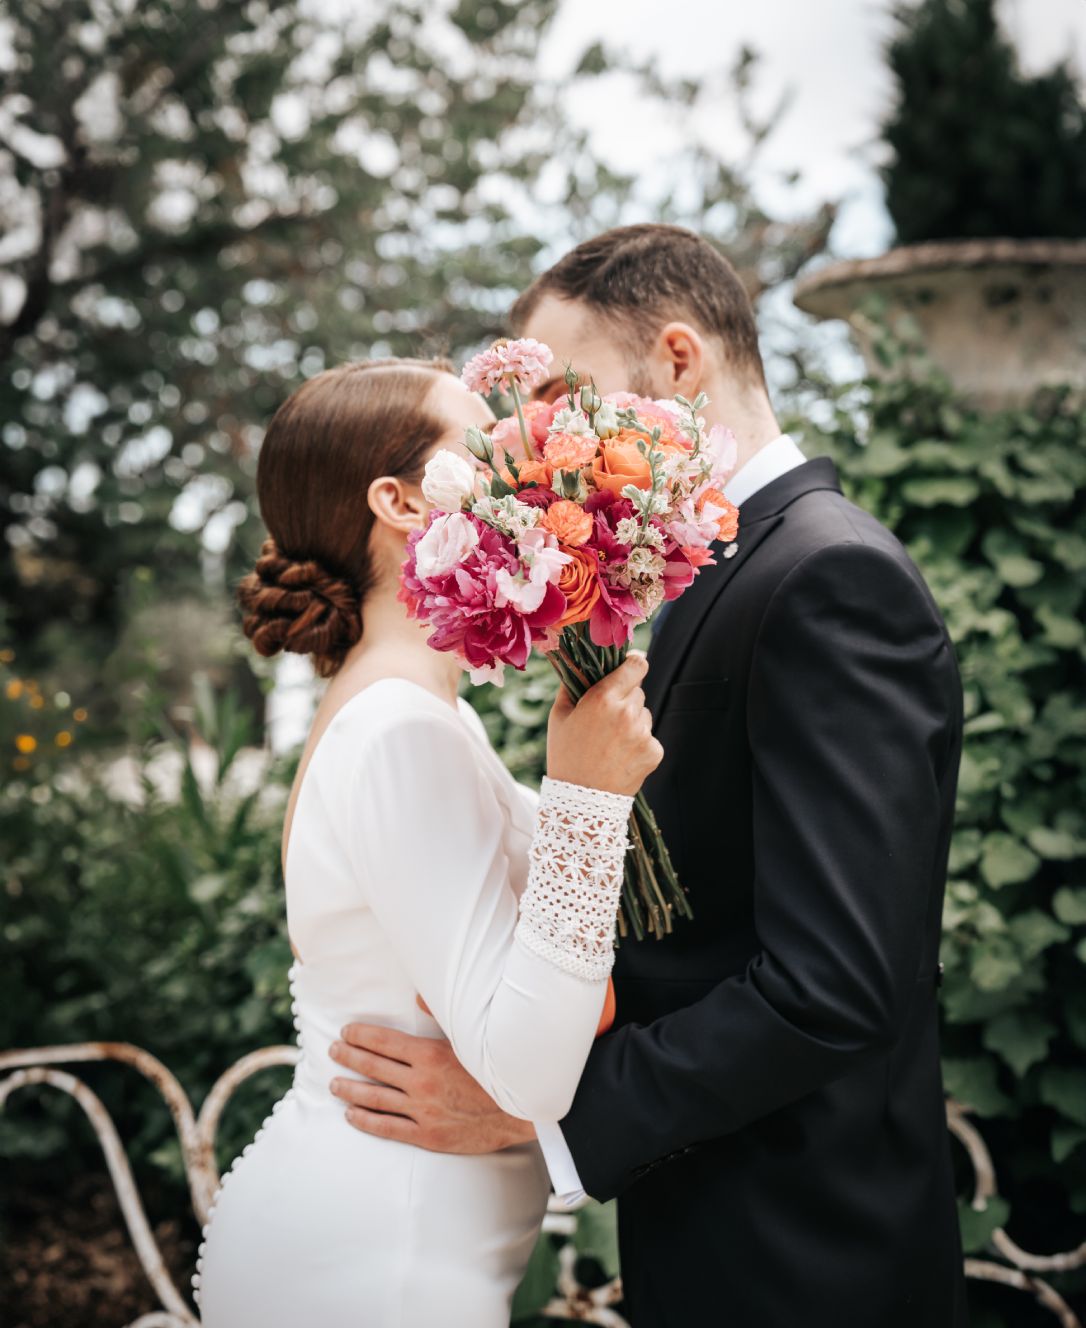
x=568 y=909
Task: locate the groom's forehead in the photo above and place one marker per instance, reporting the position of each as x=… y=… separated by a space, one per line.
x=577 y=335
x=563 y=324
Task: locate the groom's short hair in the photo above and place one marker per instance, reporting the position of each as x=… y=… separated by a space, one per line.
x=642 y=277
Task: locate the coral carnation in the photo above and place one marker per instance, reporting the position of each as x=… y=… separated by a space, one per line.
x=570 y=451
x=727 y=518
x=569 y=521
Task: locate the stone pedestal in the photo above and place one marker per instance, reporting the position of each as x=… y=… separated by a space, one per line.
x=1000 y=318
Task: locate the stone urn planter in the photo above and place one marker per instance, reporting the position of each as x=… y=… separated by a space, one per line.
x=1000 y=318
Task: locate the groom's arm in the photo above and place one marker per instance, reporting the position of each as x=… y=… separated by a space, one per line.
x=852 y=710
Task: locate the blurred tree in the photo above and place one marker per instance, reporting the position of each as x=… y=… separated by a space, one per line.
x=205 y=201
x=979 y=149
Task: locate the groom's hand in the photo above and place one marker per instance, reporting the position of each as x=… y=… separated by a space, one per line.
x=422 y=1095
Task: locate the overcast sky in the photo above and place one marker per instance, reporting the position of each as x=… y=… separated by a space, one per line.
x=828 y=53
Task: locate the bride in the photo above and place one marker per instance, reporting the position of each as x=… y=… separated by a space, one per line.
x=418 y=874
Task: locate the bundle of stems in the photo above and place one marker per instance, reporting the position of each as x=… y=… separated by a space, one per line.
x=651 y=893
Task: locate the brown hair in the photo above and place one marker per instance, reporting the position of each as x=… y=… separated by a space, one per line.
x=641 y=277
x=325 y=445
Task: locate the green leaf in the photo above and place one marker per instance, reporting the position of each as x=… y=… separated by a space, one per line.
x=972 y=1080
x=1063 y=632
x=1057 y=844
x=1065 y=1139
x=1069 y=904
x=1006 y=860
x=1035 y=931
x=994 y=965
x=977 y=1227
x=1007 y=555
x=1020 y=1037
x=956 y=491
x=1065 y=1089
x=205 y=889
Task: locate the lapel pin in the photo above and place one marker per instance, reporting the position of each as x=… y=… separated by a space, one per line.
x=731 y=550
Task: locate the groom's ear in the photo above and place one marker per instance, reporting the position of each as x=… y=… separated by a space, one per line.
x=680 y=355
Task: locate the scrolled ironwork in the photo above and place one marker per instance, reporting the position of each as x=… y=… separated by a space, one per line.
x=595 y=1305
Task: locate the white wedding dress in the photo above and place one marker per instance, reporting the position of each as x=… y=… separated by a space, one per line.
x=416 y=864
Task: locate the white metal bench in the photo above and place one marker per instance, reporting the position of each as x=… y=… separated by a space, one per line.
x=38 y=1065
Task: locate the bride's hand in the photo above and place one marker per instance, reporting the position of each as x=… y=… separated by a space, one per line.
x=605 y=741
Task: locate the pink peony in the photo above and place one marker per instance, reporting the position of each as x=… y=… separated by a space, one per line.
x=614 y=616
x=464 y=606
x=524 y=362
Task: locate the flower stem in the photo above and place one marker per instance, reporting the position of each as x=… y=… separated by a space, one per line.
x=525 y=436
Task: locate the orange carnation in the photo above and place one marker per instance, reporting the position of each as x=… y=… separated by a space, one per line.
x=728 y=521
x=620 y=463
x=580 y=584
x=570 y=451
x=569 y=521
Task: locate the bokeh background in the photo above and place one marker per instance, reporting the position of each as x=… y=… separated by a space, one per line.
x=203 y=202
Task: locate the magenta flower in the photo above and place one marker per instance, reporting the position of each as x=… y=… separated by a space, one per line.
x=471 y=617
x=524 y=362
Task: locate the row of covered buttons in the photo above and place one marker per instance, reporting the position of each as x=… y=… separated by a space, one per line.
x=287 y=1096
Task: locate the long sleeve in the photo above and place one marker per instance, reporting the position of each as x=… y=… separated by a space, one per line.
x=518 y=992
x=851 y=711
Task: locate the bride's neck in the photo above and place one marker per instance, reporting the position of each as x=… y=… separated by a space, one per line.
x=394 y=646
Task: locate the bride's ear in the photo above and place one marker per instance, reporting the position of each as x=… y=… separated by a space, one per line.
x=396 y=505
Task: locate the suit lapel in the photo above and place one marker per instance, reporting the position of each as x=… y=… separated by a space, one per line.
x=759 y=516
x=677 y=631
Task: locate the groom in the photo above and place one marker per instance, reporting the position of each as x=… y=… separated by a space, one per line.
x=768 y=1107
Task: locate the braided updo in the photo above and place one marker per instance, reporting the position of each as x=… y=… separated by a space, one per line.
x=324 y=447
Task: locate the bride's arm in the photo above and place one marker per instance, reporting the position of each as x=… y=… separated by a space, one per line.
x=518 y=993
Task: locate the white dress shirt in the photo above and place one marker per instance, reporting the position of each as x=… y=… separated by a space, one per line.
x=769 y=463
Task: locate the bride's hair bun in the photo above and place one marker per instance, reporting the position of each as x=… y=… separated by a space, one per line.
x=324 y=448
x=297 y=605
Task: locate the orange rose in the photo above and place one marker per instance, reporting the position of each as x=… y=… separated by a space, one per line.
x=570 y=451
x=728 y=521
x=580 y=584
x=620 y=463
x=569 y=521
x=539 y=472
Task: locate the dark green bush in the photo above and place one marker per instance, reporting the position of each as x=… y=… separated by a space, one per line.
x=979 y=148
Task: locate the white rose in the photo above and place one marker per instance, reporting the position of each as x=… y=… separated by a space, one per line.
x=448 y=480
x=448 y=541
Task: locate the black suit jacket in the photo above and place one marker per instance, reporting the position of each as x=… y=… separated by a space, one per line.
x=769 y=1106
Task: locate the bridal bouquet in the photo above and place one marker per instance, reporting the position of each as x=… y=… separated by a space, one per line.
x=580 y=518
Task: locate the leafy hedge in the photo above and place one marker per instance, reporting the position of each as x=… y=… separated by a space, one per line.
x=991 y=508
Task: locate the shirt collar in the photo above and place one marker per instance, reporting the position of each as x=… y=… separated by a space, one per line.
x=770 y=462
